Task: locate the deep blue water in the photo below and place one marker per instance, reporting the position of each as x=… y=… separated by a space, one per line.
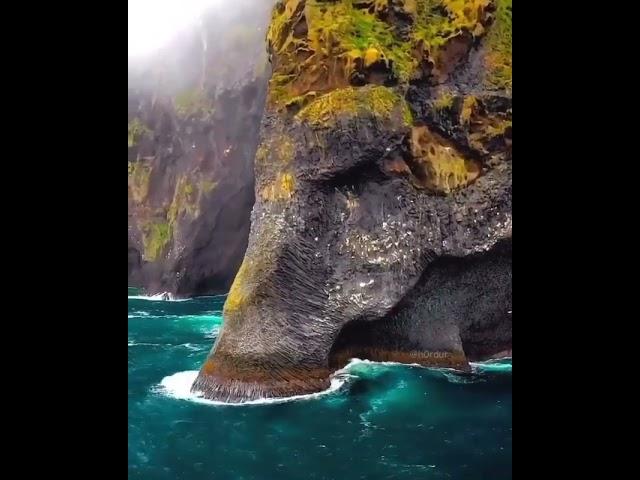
x=384 y=422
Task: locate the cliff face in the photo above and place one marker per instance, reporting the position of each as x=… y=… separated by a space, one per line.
x=382 y=222
x=194 y=118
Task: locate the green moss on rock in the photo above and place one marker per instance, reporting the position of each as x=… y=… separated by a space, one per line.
x=137 y=130
x=498 y=59
x=278 y=150
x=444 y=100
x=362 y=35
x=319 y=46
x=207 y=186
x=155 y=236
x=381 y=102
x=184 y=201
x=192 y=103
x=139 y=178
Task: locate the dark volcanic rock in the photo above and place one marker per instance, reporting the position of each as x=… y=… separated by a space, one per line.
x=194 y=118
x=382 y=222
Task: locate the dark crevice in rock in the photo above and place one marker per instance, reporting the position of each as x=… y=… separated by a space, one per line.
x=459 y=310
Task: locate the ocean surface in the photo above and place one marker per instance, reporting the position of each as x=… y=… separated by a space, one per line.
x=378 y=421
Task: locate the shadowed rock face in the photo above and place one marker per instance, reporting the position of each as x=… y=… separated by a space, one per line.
x=382 y=222
x=194 y=119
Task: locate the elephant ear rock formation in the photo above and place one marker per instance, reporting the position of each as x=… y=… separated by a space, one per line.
x=382 y=222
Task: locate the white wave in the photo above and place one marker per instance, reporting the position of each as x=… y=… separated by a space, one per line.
x=212 y=334
x=136 y=344
x=179 y=384
x=193 y=347
x=487 y=365
x=160 y=297
x=492 y=361
x=356 y=361
x=494 y=365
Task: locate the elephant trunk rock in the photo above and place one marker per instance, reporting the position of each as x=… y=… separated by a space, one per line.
x=382 y=222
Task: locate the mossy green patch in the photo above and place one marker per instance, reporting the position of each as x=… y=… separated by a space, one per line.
x=184 y=201
x=444 y=100
x=361 y=34
x=139 y=178
x=469 y=106
x=137 y=130
x=499 y=129
x=436 y=22
x=321 y=46
x=207 y=186
x=498 y=59
x=277 y=150
x=281 y=188
x=381 y=102
x=155 y=237
x=193 y=102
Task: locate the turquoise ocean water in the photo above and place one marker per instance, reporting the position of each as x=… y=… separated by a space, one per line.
x=379 y=421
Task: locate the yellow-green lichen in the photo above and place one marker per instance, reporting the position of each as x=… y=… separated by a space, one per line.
x=262 y=154
x=193 y=102
x=444 y=100
x=378 y=101
x=285 y=149
x=499 y=129
x=207 y=186
x=183 y=201
x=139 y=177
x=155 y=237
x=238 y=293
x=277 y=150
x=281 y=188
x=436 y=22
x=469 y=105
x=440 y=166
x=320 y=46
x=360 y=34
x=498 y=59
x=137 y=130
x=338 y=37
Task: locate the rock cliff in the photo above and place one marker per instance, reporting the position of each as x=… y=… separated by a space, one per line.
x=382 y=222
x=194 y=117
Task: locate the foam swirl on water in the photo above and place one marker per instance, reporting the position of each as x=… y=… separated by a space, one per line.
x=160 y=297
x=179 y=384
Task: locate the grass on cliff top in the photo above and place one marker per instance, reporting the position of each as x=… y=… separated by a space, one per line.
x=344 y=35
x=357 y=33
x=499 y=44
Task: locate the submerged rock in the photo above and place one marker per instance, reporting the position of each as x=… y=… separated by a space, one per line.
x=382 y=222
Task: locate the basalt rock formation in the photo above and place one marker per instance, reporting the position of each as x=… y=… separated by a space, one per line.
x=194 y=120
x=382 y=222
